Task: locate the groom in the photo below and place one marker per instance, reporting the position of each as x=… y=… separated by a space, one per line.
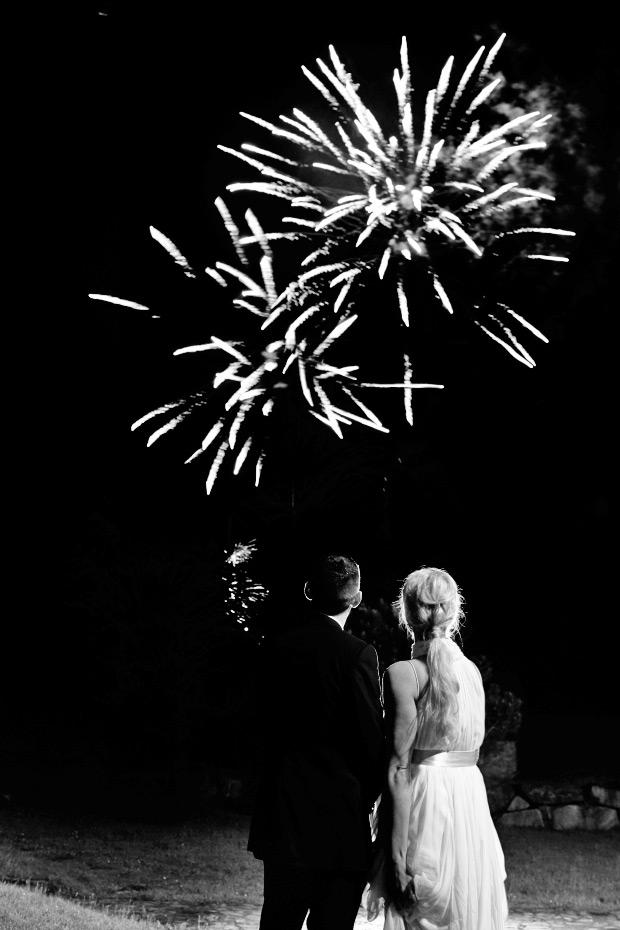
x=322 y=728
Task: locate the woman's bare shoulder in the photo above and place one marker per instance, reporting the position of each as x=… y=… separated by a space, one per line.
x=399 y=677
x=398 y=668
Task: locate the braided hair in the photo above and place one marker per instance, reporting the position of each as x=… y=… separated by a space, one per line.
x=430 y=607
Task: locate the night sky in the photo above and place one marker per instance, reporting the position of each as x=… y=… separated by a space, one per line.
x=505 y=478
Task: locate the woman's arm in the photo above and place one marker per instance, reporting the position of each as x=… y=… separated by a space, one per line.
x=400 y=693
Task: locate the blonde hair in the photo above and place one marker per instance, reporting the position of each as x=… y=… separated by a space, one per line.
x=431 y=607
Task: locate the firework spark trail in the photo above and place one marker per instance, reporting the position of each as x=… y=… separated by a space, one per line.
x=118 y=300
x=172 y=250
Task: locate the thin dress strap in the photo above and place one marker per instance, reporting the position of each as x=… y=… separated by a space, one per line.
x=416 y=677
x=420 y=692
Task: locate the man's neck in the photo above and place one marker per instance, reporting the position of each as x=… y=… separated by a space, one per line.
x=340 y=618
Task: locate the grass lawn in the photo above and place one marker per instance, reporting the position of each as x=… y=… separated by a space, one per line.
x=30 y=909
x=557 y=871
x=149 y=868
x=175 y=871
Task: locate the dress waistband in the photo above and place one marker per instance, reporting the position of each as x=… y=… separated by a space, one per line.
x=435 y=757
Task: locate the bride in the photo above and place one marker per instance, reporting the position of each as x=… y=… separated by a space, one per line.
x=439 y=864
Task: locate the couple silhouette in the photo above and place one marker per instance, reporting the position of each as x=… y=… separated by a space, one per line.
x=369 y=788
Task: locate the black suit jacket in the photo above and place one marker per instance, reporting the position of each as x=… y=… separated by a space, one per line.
x=322 y=731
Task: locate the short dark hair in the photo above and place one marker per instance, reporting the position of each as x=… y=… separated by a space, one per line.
x=334 y=582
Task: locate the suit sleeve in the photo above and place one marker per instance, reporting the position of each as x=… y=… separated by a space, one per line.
x=368 y=713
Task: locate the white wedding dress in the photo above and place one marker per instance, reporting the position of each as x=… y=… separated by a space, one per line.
x=454 y=853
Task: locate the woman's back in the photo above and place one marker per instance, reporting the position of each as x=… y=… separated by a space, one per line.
x=469 y=725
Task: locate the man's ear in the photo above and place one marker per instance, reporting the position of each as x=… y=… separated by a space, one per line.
x=357 y=600
x=307 y=591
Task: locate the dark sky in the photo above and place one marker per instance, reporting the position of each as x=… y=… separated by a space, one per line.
x=508 y=482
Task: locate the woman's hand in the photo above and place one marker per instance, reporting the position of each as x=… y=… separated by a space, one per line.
x=405 y=898
x=403 y=889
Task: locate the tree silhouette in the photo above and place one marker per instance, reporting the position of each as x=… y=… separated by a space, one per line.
x=168 y=633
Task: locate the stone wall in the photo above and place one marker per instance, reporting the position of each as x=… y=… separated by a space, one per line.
x=519 y=803
x=564 y=807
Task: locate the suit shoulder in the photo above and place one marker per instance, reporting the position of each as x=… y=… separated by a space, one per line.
x=360 y=648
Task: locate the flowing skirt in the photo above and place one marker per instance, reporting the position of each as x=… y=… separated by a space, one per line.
x=454 y=856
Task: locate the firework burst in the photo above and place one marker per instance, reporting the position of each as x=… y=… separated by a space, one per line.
x=244 y=594
x=368 y=202
x=253 y=375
